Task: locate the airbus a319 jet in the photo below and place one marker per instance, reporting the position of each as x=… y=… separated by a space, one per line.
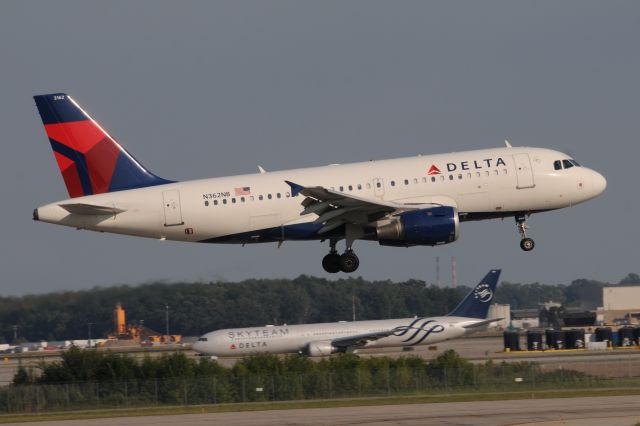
x=327 y=338
x=414 y=201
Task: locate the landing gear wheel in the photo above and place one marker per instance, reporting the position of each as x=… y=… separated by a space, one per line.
x=527 y=244
x=331 y=263
x=349 y=262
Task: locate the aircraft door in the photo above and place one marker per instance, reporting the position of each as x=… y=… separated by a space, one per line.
x=524 y=171
x=172 y=210
x=378 y=187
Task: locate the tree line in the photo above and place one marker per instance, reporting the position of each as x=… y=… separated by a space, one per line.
x=196 y=308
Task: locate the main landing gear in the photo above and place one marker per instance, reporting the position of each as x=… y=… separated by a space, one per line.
x=334 y=262
x=526 y=244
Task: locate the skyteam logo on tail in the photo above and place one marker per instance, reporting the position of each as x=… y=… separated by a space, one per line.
x=483 y=293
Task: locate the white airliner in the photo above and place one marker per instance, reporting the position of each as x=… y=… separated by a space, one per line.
x=401 y=202
x=327 y=338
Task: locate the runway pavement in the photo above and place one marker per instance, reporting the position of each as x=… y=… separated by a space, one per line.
x=590 y=411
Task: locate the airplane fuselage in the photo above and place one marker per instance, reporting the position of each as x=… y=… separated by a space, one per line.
x=316 y=339
x=260 y=207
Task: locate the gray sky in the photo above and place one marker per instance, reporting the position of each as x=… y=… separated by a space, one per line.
x=203 y=89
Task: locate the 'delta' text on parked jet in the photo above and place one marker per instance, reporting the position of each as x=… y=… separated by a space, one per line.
x=414 y=201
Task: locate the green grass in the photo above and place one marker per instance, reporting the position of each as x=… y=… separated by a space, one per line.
x=351 y=402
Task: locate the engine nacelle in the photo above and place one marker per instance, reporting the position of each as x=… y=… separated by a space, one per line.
x=321 y=349
x=428 y=227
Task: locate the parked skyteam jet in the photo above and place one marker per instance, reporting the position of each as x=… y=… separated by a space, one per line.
x=402 y=202
x=327 y=338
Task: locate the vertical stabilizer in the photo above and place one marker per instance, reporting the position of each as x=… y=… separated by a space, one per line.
x=476 y=304
x=90 y=160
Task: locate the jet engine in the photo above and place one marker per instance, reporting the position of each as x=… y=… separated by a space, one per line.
x=428 y=227
x=321 y=349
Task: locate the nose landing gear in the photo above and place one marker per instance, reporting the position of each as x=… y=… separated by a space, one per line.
x=526 y=244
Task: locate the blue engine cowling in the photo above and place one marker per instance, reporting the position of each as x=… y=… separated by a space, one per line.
x=426 y=227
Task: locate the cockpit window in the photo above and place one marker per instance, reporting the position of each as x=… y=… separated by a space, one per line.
x=557 y=165
x=575 y=163
x=567 y=164
x=202 y=339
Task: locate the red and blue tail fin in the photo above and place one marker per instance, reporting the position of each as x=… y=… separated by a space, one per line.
x=90 y=160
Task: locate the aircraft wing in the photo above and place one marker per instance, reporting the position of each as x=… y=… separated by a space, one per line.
x=90 y=209
x=359 y=340
x=335 y=208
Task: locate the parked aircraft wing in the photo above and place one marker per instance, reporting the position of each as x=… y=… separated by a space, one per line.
x=359 y=340
x=90 y=209
x=335 y=208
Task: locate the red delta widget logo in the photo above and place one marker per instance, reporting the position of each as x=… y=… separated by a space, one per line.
x=468 y=165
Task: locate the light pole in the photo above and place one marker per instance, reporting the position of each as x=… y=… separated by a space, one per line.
x=15 y=334
x=89 y=332
x=166 y=311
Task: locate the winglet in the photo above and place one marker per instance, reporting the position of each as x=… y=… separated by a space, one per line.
x=261 y=170
x=295 y=188
x=507 y=143
x=476 y=304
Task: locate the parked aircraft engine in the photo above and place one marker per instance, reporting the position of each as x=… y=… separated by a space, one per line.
x=321 y=349
x=429 y=227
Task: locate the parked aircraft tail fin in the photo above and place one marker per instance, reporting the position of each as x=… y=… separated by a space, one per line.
x=476 y=304
x=90 y=160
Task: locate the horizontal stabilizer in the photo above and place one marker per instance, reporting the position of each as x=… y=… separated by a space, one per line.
x=482 y=323
x=90 y=209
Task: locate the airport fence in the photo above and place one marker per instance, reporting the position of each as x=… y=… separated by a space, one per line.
x=351 y=383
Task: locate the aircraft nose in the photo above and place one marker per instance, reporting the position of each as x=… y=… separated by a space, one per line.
x=599 y=183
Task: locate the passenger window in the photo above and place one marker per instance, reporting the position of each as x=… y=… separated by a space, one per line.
x=478 y=174
x=368 y=186
x=450 y=177
x=468 y=175
x=406 y=181
x=341 y=188
x=433 y=178
x=286 y=194
x=393 y=183
x=378 y=184
x=278 y=195
x=215 y=202
x=442 y=178
x=557 y=165
x=206 y=203
x=424 y=180
x=224 y=201
x=504 y=171
x=269 y=196
x=252 y=198
x=487 y=173
x=496 y=172
x=350 y=187
x=567 y=164
x=415 y=180
x=242 y=199
x=359 y=187
x=260 y=197
x=460 y=176
x=233 y=200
